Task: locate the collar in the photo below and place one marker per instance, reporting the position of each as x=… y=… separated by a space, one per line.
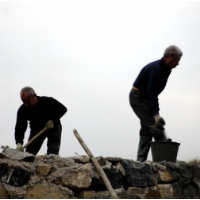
x=164 y=66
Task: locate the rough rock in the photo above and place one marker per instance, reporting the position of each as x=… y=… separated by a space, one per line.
x=107 y=165
x=81 y=159
x=113 y=176
x=15 y=192
x=3 y=193
x=155 y=192
x=120 y=168
x=196 y=175
x=89 y=167
x=43 y=191
x=87 y=194
x=164 y=176
x=156 y=166
x=177 y=190
x=19 y=177
x=185 y=171
x=3 y=170
x=75 y=178
x=196 y=182
x=128 y=195
x=170 y=165
x=155 y=178
x=55 y=161
x=101 y=161
x=43 y=169
x=113 y=159
x=190 y=192
x=138 y=174
x=106 y=194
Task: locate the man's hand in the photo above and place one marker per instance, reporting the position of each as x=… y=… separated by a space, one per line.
x=160 y=122
x=19 y=147
x=49 y=124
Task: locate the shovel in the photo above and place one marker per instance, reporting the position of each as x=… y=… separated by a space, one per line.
x=20 y=155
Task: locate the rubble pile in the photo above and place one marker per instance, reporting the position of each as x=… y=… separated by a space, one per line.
x=51 y=176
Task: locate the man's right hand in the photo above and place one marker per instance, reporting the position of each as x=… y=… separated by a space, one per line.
x=159 y=121
x=49 y=124
x=19 y=147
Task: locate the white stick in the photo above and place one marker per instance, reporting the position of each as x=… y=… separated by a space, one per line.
x=96 y=164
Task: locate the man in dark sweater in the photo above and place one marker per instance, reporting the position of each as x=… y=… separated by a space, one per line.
x=38 y=111
x=143 y=98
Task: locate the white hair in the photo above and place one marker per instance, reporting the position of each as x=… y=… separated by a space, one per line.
x=173 y=51
x=28 y=90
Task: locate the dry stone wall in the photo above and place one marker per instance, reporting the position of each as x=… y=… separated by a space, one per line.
x=51 y=176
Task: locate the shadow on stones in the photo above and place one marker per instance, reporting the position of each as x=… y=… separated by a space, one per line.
x=115 y=178
x=19 y=177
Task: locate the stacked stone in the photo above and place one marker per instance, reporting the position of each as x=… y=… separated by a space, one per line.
x=51 y=176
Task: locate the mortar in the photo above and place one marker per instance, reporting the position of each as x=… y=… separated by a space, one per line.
x=164 y=150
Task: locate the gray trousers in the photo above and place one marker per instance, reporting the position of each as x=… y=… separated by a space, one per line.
x=53 y=144
x=149 y=130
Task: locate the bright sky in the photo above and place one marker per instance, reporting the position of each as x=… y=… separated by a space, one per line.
x=87 y=54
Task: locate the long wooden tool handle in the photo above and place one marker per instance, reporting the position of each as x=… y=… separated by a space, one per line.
x=32 y=139
x=96 y=164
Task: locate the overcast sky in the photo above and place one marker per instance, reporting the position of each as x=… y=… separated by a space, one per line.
x=87 y=54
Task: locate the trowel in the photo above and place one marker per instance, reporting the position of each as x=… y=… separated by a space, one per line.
x=20 y=155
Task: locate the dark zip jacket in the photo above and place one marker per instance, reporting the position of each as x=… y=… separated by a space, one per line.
x=151 y=81
x=46 y=109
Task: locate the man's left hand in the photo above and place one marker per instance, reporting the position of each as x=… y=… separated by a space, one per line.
x=160 y=122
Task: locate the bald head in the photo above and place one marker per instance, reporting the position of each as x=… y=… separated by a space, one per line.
x=28 y=97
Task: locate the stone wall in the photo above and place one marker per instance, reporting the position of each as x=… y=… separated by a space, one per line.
x=75 y=177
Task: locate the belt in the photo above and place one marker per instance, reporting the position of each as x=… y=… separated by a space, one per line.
x=136 y=88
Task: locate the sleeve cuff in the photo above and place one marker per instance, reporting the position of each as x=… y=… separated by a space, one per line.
x=155 y=113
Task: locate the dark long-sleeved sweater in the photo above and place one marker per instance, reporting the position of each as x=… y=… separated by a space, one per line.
x=46 y=109
x=152 y=80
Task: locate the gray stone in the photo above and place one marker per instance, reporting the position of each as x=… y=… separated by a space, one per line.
x=113 y=159
x=55 y=161
x=156 y=167
x=101 y=161
x=89 y=167
x=190 y=192
x=81 y=159
x=43 y=191
x=75 y=177
x=106 y=194
x=3 y=192
x=155 y=192
x=120 y=168
x=138 y=174
x=107 y=165
x=115 y=178
x=185 y=171
x=165 y=176
x=87 y=194
x=43 y=169
x=128 y=195
x=171 y=165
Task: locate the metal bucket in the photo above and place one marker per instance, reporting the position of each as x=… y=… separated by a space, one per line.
x=164 y=150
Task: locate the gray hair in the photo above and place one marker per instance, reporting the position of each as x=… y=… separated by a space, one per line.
x=28 y=90
x=173 y=51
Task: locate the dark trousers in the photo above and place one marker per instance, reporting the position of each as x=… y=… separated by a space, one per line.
x=149 y=130
x=53 y=143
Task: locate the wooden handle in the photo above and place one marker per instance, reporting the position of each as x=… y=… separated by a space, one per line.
x=32 y=139
x=96 y=164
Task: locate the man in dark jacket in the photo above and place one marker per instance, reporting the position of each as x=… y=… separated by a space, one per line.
x=38 y=111
x=143 y=98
